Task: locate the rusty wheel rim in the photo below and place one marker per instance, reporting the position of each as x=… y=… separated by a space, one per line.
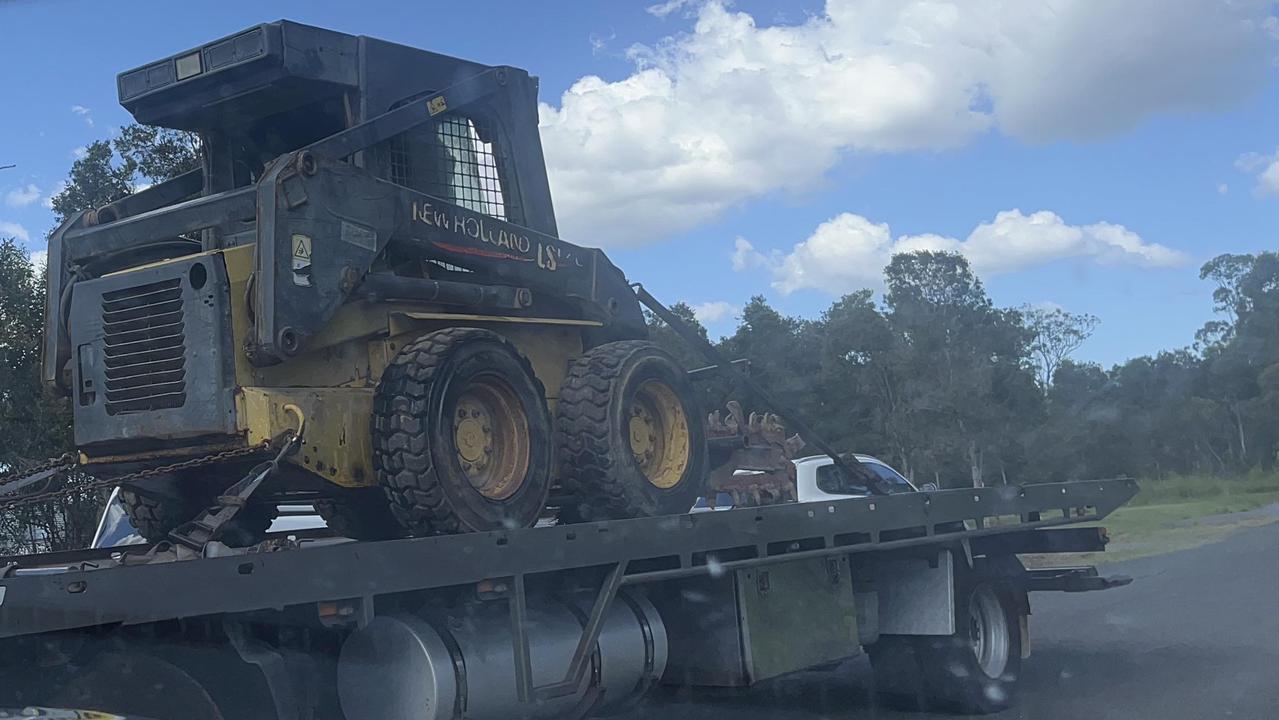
x=491 y=437
x=657 y=429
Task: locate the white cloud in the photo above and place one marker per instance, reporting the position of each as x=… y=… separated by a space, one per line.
x=1047 y=306
x=22 y=196
x=84 y=113
x=79 y=152
x=14 y=230
x=849 y=252
x=1265 y=170
x=599 y=43
x=39 y=258
x=732 y=110
x=745 y=257
x=661 y=10
x=57 y=190
x=1222 y=189
x=714 y=311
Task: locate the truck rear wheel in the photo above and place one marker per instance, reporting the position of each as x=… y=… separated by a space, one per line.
x=973 y=672
x=461 y=434
x=359 y=514
x=631 y=440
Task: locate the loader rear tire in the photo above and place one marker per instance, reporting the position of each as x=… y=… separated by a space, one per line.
x=461 y=434
x=359 y=514
x=154 y=517
x=174 y=500
x=631 y=439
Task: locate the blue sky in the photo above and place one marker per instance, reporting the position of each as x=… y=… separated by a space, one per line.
x=1085 y=155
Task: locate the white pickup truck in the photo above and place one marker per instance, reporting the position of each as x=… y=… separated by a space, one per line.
x=817 y=480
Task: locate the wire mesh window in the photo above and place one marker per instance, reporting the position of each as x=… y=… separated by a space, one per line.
x=466 y=168
x=401 y=162
x=451 y=159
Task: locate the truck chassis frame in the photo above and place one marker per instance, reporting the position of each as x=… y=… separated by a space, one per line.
x=102 y=592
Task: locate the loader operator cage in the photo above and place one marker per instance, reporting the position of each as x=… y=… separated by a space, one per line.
x=281 y=86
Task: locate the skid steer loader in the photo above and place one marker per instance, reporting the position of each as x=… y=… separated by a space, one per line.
x=368 y=243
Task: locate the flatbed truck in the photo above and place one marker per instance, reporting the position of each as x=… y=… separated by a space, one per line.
x=561 y=621
x=368 y=249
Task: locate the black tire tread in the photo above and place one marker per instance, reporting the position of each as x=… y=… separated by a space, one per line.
x=154 y=517
x=401 y=455
x=588 y=472
x=896 y=671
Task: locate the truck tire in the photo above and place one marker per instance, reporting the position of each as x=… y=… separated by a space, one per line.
x=176 y=501
x=898 y=682
x=631 y=439
x=461 y=434
x=359 y=514
x=975 y=671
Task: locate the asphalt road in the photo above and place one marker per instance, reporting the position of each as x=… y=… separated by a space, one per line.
x=1196 y=635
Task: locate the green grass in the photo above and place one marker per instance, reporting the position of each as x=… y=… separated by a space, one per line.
x=1185 y=488
x=1180 y=513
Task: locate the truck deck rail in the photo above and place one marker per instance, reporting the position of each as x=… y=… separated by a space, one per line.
x=39 y=597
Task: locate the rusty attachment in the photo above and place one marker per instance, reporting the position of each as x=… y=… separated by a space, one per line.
x=755 y=466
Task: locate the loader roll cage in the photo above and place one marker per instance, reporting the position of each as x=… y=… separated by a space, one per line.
x=322 y=217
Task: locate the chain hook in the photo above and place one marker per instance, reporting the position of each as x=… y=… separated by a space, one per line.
x=296 y=440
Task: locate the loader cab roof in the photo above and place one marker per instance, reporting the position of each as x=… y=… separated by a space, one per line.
x=280 y=66
x=278 y=87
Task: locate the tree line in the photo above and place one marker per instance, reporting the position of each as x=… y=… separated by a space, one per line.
x=35 y=425
x=951 y=389
x=932 y=377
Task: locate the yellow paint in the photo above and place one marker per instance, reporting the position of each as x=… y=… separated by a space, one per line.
x=547 y=345
x=239 y=267
x=336 y=445
x=346 y=359
x=499 y=319
x=342 y=365
x=658 y=434
x=162 y=263
x=180 y=453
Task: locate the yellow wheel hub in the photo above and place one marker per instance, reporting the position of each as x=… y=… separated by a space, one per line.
x=658 y=432
x=491 y=436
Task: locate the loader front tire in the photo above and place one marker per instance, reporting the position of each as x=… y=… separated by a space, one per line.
x=461 y=434
x=631 y=439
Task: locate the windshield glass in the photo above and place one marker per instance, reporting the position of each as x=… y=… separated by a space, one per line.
x=115 y=529
x=835 y=481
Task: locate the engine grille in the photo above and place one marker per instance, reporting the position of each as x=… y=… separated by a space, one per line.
x=144 y=347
